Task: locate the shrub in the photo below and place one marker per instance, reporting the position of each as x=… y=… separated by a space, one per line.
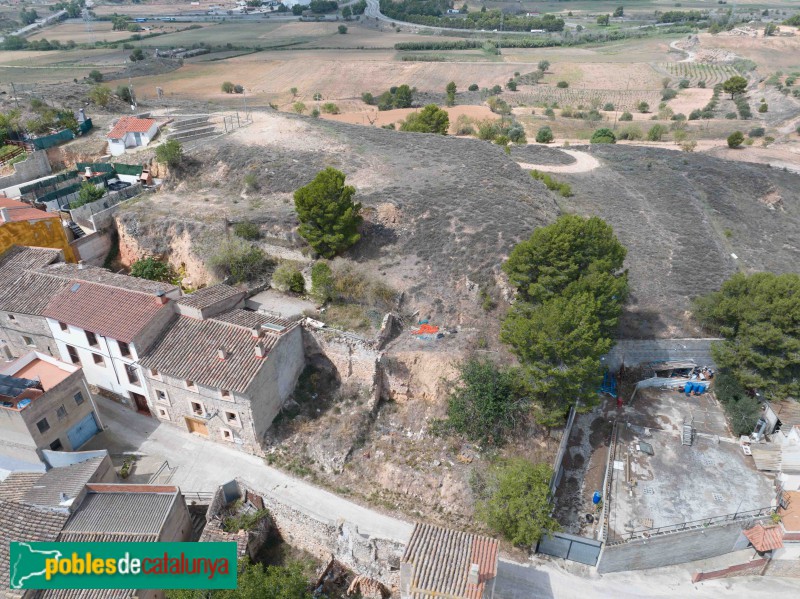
x=552 y=184
x=730 y=116
x=735 y=139
x=656 y=132
x=626 y=116
x=757 y=132
x=95 y=76
x=368 y=98
x=430 y=119
x=669 y=94
x=342 y=29
x=511 y=85
x=742 y=409
x=763 y=108
x=315 y=110
x=518 y=501
x=247 y=230
x=288 y=278
x=124 y=93
x=137 y=55
x=152 y=269
x=562 y=84
x=170 y=152
x=695 y=114
x=87 y=194
x=330 y=108
x=227 y=87
x=544 y=135
x=608 y=107
x=238 y=89
x=239 y=261
x=473 y=87
x=549 y=113
x=603 y=136
x=643 y=107
x=631 y=132
x=464 y=125
x=683 y=84
x=100 y=95
x=299 y=107
x=322 y=283
x=516 y=133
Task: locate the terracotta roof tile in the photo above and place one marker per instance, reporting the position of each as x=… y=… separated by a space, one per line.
x=765 y=538
x=108 y=311
x=208 y=296
x=30 y=293
x=130 y=124
x=20 y=211
x=17 y=484
x=189 y=349
x=93 y=274
x=441 y=559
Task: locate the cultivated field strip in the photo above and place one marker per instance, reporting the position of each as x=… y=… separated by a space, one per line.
x=699 y=71
x=545 y=94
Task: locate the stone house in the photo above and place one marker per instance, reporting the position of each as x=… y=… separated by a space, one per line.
x=22 y=298
x=221 y=371
x=44 y=404
x=105 y=328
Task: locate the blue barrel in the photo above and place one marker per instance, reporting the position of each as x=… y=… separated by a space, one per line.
x=596 y=497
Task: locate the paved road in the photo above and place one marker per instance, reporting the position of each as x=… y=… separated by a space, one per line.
x=202 y=465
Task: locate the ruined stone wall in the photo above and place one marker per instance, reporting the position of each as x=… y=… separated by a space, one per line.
x=374 y=557
x=355 y=360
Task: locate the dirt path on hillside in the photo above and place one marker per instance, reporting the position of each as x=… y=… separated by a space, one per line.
x=584 y=163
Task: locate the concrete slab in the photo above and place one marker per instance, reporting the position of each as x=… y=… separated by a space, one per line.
x=679 y=483
x=280 y=304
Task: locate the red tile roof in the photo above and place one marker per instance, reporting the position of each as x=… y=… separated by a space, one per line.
x=107 y=311
x=130 y=124
x=20 y=211
x=765 y=538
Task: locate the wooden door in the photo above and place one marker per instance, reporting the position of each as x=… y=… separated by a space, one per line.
x=141 y=404
x=196 y=426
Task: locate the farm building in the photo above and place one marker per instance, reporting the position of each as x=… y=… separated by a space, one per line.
x=131 y=132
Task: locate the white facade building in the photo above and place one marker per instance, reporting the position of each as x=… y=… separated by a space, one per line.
x=131 y=132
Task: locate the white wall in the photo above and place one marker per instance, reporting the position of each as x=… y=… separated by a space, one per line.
x=111 y=375
x=116 y=147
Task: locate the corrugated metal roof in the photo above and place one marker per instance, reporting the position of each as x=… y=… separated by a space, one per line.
x=87 y=594
x=788 y=411
x=109 y=311
x=765 y=538
x=441 y=560
x=119 y=514
x=189 y=349
x=66 y=479
x=790 y=459
x=209 y=296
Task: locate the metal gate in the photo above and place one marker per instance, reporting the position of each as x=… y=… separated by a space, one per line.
x=571 y=547
x=83 y=431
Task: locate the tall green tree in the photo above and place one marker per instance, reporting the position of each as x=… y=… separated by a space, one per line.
x=518 y=505
x=559 y=344
x=486 y=402
x=403 y=97
x=559 y=254
x=735 y=85
x=450 y=91
x=430 y=119
x=329 y=219
x=759 y=317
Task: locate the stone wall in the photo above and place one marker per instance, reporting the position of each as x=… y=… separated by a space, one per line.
x=13 y=333
x=374 y=557
x=354 y=359
x=35 y=166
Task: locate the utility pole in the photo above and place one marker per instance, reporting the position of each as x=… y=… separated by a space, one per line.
x=244 y=97
x=14 y=89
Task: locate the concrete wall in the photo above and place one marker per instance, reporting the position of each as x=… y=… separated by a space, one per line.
x=178 y=525
x=674 y=548
x=633 y=352
x=93 y=248
x=12 y=333
x=48 y=233
x=35 y=166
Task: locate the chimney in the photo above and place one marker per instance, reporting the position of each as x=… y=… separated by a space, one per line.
x=221 y=353
x=4 y=215
x=260 y=351
x=88 y=174
x=161 y=297
x=254 y=333
x=81 y=265
x=474 y=574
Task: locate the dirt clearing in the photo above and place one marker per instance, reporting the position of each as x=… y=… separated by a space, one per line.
x=583 y=164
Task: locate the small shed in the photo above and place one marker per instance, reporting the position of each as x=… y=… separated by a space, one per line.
x=131 y=132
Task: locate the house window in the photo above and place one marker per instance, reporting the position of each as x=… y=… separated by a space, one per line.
x=28 y=341
x=63 y=326
x=191 y=385
x=197 y=408
x=78 y=398
x=73 y=355
x=124 y=349
x=226 y=395
x=163 y=414
x=61 y=412
x=232 y=418
x=56 y=445
x=162 y=396
x=43 y=425
x=226 y=434
x=92 y=339
x=98 y=359
x=11 y=317
x=133 y=374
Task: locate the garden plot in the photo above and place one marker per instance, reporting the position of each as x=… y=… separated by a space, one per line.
x=539 y=95
x=699 y=71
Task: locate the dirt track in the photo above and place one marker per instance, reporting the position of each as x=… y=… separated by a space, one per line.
x=583 y=164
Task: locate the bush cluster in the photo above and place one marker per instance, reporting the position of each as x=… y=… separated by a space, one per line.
x=563 y=189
